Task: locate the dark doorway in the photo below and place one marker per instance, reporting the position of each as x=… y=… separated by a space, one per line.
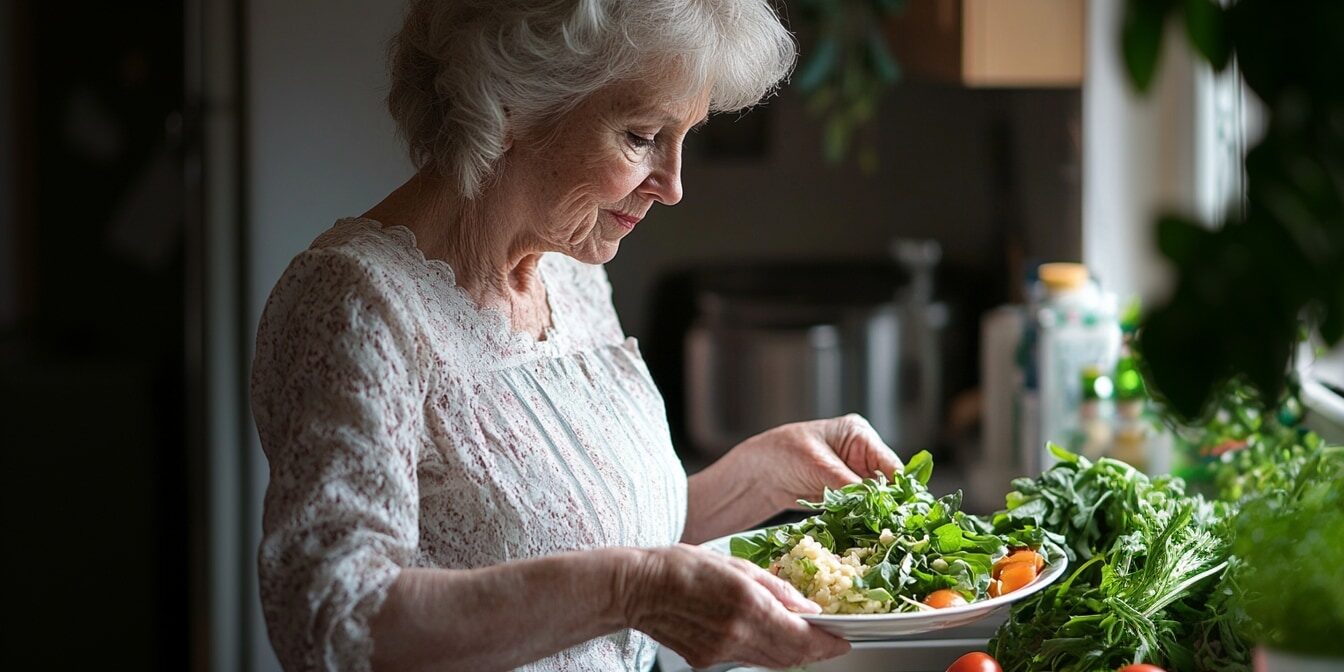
x=92 y=384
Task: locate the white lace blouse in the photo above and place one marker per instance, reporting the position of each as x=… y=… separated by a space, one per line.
x=405 y=427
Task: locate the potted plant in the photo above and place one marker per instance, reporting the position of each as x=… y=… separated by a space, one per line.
x=1289 y=548
x=1245 y=289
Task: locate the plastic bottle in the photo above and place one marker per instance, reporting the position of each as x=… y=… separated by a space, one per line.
x=1076 y=327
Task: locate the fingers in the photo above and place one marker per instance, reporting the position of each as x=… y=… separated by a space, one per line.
x=862 y=449
x=818 y=645
x=789 y=641
x=835 y=471
x=757 y=629
x=781 y=590
x=884 y=459
x=783 y=639
x=807 y=642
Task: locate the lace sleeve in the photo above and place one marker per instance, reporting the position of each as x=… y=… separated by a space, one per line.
x=335 y=397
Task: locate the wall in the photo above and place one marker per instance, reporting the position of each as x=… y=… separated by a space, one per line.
x=1145 y=154
x=935 y=180
x=319 y=146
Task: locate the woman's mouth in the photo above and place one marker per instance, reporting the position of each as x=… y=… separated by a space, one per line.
x=627 y=222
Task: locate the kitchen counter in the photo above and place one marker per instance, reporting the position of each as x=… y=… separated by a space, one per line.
x=929 y=652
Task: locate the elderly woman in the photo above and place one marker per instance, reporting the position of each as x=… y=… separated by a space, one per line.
x=470 y=467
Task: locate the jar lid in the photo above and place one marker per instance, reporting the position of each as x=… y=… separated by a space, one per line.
x=1063 y=277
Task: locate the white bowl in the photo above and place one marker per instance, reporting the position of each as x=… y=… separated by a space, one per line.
x=867 y=627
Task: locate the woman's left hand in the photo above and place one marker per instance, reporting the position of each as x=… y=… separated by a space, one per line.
x=799 y=460
x=771 y=471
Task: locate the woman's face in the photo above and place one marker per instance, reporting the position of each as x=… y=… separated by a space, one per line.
x=593 y=175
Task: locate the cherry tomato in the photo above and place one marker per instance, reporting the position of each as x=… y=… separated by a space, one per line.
x=1142 y=667
x=1015 y=576
x=995 y=588
x=975 y=662
x=942 y=599
x=1033 y=557
x=1022 y=555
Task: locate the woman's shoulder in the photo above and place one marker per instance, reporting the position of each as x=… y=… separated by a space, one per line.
x=350 y=263
x=362 y=249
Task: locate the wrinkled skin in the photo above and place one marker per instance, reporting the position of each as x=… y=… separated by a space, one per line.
x=712 y=608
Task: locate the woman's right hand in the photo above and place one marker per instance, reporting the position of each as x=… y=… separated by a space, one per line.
x=712 y=608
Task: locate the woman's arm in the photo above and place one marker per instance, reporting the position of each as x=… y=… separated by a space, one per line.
x=768 y=472
x=503 y=616
x=707 y=607
x=725 y=497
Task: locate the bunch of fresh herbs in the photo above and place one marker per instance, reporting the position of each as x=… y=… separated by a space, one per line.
x=935 y=544
x=1178 y=580
x=1151 y=558
x=1120 y=607
x=1085 y=506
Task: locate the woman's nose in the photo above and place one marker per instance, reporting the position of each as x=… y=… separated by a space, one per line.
x=664 y=183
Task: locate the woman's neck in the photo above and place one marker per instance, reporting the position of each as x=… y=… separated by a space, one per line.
x=493 y=255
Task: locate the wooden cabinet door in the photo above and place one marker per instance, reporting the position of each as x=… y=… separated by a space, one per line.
x=992 y=43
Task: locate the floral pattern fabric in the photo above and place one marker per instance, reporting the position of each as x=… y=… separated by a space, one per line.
x=406 y=427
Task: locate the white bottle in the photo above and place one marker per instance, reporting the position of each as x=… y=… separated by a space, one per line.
x=1077 y=327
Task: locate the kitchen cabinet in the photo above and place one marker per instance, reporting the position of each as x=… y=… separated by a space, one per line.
x=991 y=43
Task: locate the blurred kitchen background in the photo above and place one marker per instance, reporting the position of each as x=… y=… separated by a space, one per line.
x=162 y=162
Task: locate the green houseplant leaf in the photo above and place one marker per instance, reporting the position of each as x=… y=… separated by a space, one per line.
x=1205 y=24
x=1141 y=39
x=1245 y=289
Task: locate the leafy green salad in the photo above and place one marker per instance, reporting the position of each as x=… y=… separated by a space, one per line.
x=881 y=546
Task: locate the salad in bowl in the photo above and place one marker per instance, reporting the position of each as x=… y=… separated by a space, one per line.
x=884 y=546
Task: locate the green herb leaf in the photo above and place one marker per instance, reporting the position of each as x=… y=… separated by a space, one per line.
x=920 y=467
x=947 y=539
x=879 y=594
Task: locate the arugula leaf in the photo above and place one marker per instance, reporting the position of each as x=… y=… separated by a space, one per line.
x=749 y=548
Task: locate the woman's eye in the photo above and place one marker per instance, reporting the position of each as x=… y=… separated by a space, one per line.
x=638 y=141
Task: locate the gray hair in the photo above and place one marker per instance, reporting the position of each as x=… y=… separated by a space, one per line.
x=457 y=66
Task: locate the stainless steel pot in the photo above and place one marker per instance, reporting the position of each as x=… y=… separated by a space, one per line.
x=756 y=360
x=742 y=380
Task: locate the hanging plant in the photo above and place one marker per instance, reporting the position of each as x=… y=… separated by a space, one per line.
x=848 y=71
x=1245 y=290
